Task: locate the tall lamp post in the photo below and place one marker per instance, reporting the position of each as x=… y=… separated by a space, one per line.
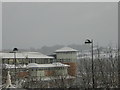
x=14 y=51
x=91 y=42
x=118 y=67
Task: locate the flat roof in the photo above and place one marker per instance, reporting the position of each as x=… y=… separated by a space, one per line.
x=24 y=55
x=66 y=49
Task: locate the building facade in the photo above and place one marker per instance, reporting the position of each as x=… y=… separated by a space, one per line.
x=31 y=66
x=67 y=55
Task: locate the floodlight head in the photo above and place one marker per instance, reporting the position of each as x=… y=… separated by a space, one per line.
x=15 y=49
x=88 y=41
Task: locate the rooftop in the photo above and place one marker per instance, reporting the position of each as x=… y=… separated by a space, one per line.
x=35 y=65
x=66 y=49
x=24 y=55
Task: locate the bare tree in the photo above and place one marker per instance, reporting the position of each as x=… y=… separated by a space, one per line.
x=105 y=70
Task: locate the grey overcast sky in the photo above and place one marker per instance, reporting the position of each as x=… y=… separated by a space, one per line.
x=26 y=25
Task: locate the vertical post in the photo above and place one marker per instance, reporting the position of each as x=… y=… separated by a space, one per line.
x=92 y=62
x=14 y=51
x=15 y=64
x=118 y=69
x=118 y=44
x=92 y=65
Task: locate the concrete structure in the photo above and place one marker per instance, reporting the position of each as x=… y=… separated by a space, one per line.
x=47 y=70
x=67 y=55
x=26 y=57
x=31 y=65
x=37 y=71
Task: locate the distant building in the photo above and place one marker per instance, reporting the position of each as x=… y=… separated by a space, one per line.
x=67 y=55
x=31 y=65
x=47 y=70
x=26 y=57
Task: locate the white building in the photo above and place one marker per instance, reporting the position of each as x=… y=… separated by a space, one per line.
x=32 y=65
x=25 y=58
x=68 y=56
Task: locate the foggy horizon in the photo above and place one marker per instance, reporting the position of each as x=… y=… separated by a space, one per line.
x=35 y=25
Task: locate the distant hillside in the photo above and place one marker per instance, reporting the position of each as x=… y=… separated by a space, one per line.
x=49 y=50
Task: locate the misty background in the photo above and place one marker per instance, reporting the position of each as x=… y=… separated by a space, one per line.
x=39 y=25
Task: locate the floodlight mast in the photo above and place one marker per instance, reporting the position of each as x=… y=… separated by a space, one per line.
x=91 y=42
x=15 y=51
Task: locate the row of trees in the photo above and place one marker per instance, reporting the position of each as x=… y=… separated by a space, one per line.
x=105 y=70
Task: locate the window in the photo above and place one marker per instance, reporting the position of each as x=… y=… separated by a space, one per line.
x=35 y=61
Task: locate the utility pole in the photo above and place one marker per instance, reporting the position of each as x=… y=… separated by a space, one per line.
x=14 y=51
x=91 y=42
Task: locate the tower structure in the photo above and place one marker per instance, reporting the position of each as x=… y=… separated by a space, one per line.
x=67 y=55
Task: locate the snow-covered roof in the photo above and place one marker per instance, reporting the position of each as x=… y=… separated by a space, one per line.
x=24 y=55
x=13 y=66
x=66 y=49
x=35 y=65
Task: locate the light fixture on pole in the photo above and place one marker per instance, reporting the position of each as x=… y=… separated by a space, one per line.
x=14 y=51
x=91 y=42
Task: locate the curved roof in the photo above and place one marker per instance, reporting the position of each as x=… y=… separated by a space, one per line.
x=35 y=65
x=66 y=49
